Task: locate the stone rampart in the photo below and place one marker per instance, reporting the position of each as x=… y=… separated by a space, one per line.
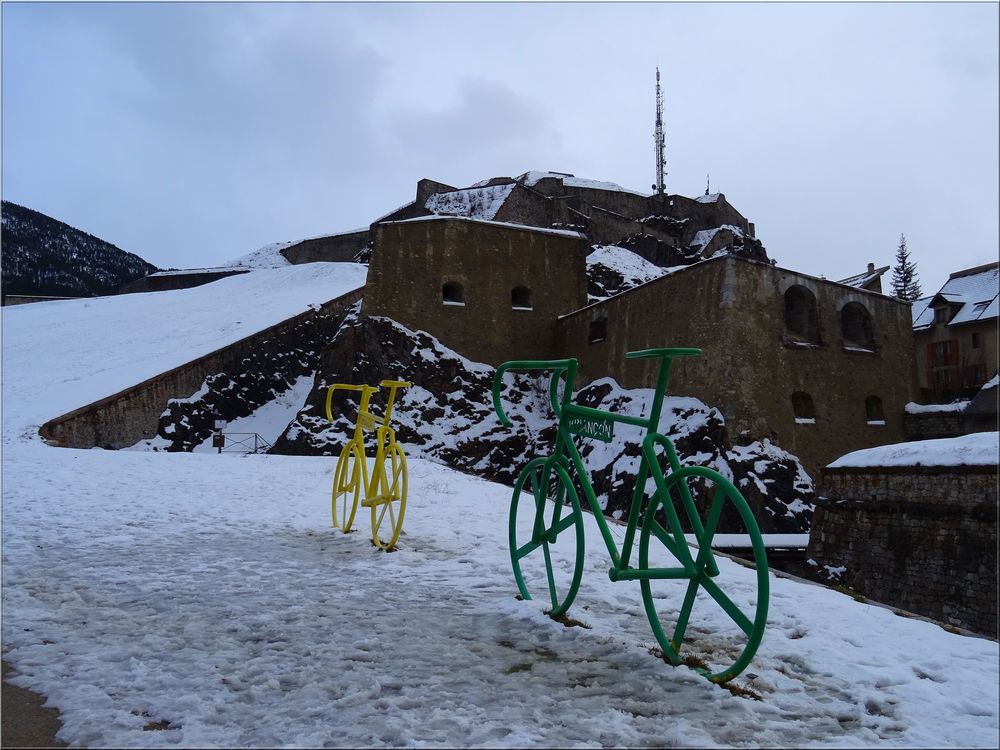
x=125 y=418
x=336 y=248
x=923 y=539
x=932 y=425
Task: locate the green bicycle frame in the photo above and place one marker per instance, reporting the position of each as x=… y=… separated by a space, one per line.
x=699 y=570
x=565 y=409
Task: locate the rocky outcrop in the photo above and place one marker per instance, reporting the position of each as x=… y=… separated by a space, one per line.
x=448 y=416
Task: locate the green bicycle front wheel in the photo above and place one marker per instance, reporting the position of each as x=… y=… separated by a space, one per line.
x=729 y=626
x=546 y=534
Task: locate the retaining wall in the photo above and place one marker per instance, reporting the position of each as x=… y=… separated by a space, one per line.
x=923 y=539
x=125 y=418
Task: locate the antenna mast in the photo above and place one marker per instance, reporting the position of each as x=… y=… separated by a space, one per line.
x=658 y=137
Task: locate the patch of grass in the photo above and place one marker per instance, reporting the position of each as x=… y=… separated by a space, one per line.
x=569 y=622
x=154 y=726
x=741 y=692
x=699 y=665
x=524 y=667
x=848 y=591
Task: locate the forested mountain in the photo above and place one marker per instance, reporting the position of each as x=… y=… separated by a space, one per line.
x=47 y=257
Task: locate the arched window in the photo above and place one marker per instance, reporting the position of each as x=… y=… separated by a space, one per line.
x=452 y=293
x=801 y=318
x=598 y=330
x=856 y=327
x=873 y=410
x=520 y=298
x=803 y=408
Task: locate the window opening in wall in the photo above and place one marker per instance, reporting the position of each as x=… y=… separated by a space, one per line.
x=801 y=317
x=873 y=411
x=977 y=341
x=452 y=293
x=856 y=328
x=598 y=330
x=941 y=314
x=803 y=408
x=943 y=353
x=520 y=298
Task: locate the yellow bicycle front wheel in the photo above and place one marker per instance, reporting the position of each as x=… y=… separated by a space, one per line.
x=389 y=509
x=348 y=484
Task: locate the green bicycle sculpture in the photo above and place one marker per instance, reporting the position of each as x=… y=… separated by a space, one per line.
x=664 y=553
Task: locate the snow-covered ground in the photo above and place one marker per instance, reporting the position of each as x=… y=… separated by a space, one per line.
x=977 y=449
x=181 y=600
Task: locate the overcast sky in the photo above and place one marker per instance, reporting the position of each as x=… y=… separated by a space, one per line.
x=191 y=134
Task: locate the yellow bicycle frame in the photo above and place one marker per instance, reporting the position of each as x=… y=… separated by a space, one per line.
x=378 y=490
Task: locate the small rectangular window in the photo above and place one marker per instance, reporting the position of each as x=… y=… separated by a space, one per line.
x=598 y=330
x=977 y=341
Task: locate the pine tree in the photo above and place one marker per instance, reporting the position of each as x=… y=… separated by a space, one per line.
x=905 y=285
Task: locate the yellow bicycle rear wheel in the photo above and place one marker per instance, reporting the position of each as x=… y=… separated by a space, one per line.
x=348 y=484
x=388 y=510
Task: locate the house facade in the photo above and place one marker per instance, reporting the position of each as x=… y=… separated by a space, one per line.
x=955 y=334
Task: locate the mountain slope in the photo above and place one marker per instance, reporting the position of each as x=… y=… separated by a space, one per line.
x=47 y=257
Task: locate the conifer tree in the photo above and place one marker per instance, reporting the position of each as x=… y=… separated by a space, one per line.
x=905 y=285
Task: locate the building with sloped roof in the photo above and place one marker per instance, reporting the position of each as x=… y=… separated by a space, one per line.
x=955 y=334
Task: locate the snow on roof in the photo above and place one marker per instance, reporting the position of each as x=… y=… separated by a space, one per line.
x=922 y=313
x=977 y=449
x=533 y=177
x=473 y=203
x=862 y=279
x=710 y=198
x=509 y=225
x=975 y=289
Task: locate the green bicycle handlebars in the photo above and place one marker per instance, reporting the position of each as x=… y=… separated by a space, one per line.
x=559 y=366
x=567 y=368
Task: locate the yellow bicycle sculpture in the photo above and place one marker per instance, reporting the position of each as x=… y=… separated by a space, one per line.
x=384 y=491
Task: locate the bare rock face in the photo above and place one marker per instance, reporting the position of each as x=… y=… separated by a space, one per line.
x=448 y=416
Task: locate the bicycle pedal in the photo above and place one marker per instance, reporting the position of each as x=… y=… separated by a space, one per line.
x=368 y=502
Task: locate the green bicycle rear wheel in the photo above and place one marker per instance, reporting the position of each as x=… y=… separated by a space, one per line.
x=546 y=534
x=730 y=625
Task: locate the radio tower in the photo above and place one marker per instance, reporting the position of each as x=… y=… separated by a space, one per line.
x=661 y=170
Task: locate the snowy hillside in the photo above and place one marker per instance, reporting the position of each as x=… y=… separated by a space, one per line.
x=58 y=356
x=203 y=600
x=46 y=257
x=612 y=270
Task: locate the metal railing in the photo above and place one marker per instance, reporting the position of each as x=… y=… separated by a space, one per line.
x=242 y=442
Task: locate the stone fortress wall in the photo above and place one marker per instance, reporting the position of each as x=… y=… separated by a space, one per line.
x=923 y=539
x=752 y=364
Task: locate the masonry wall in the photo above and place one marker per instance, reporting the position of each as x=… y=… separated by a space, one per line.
x=337 y=248
x=129 y=416
x=412 y=261
x=923 y=539
x=172 y=281
x=733 y=309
